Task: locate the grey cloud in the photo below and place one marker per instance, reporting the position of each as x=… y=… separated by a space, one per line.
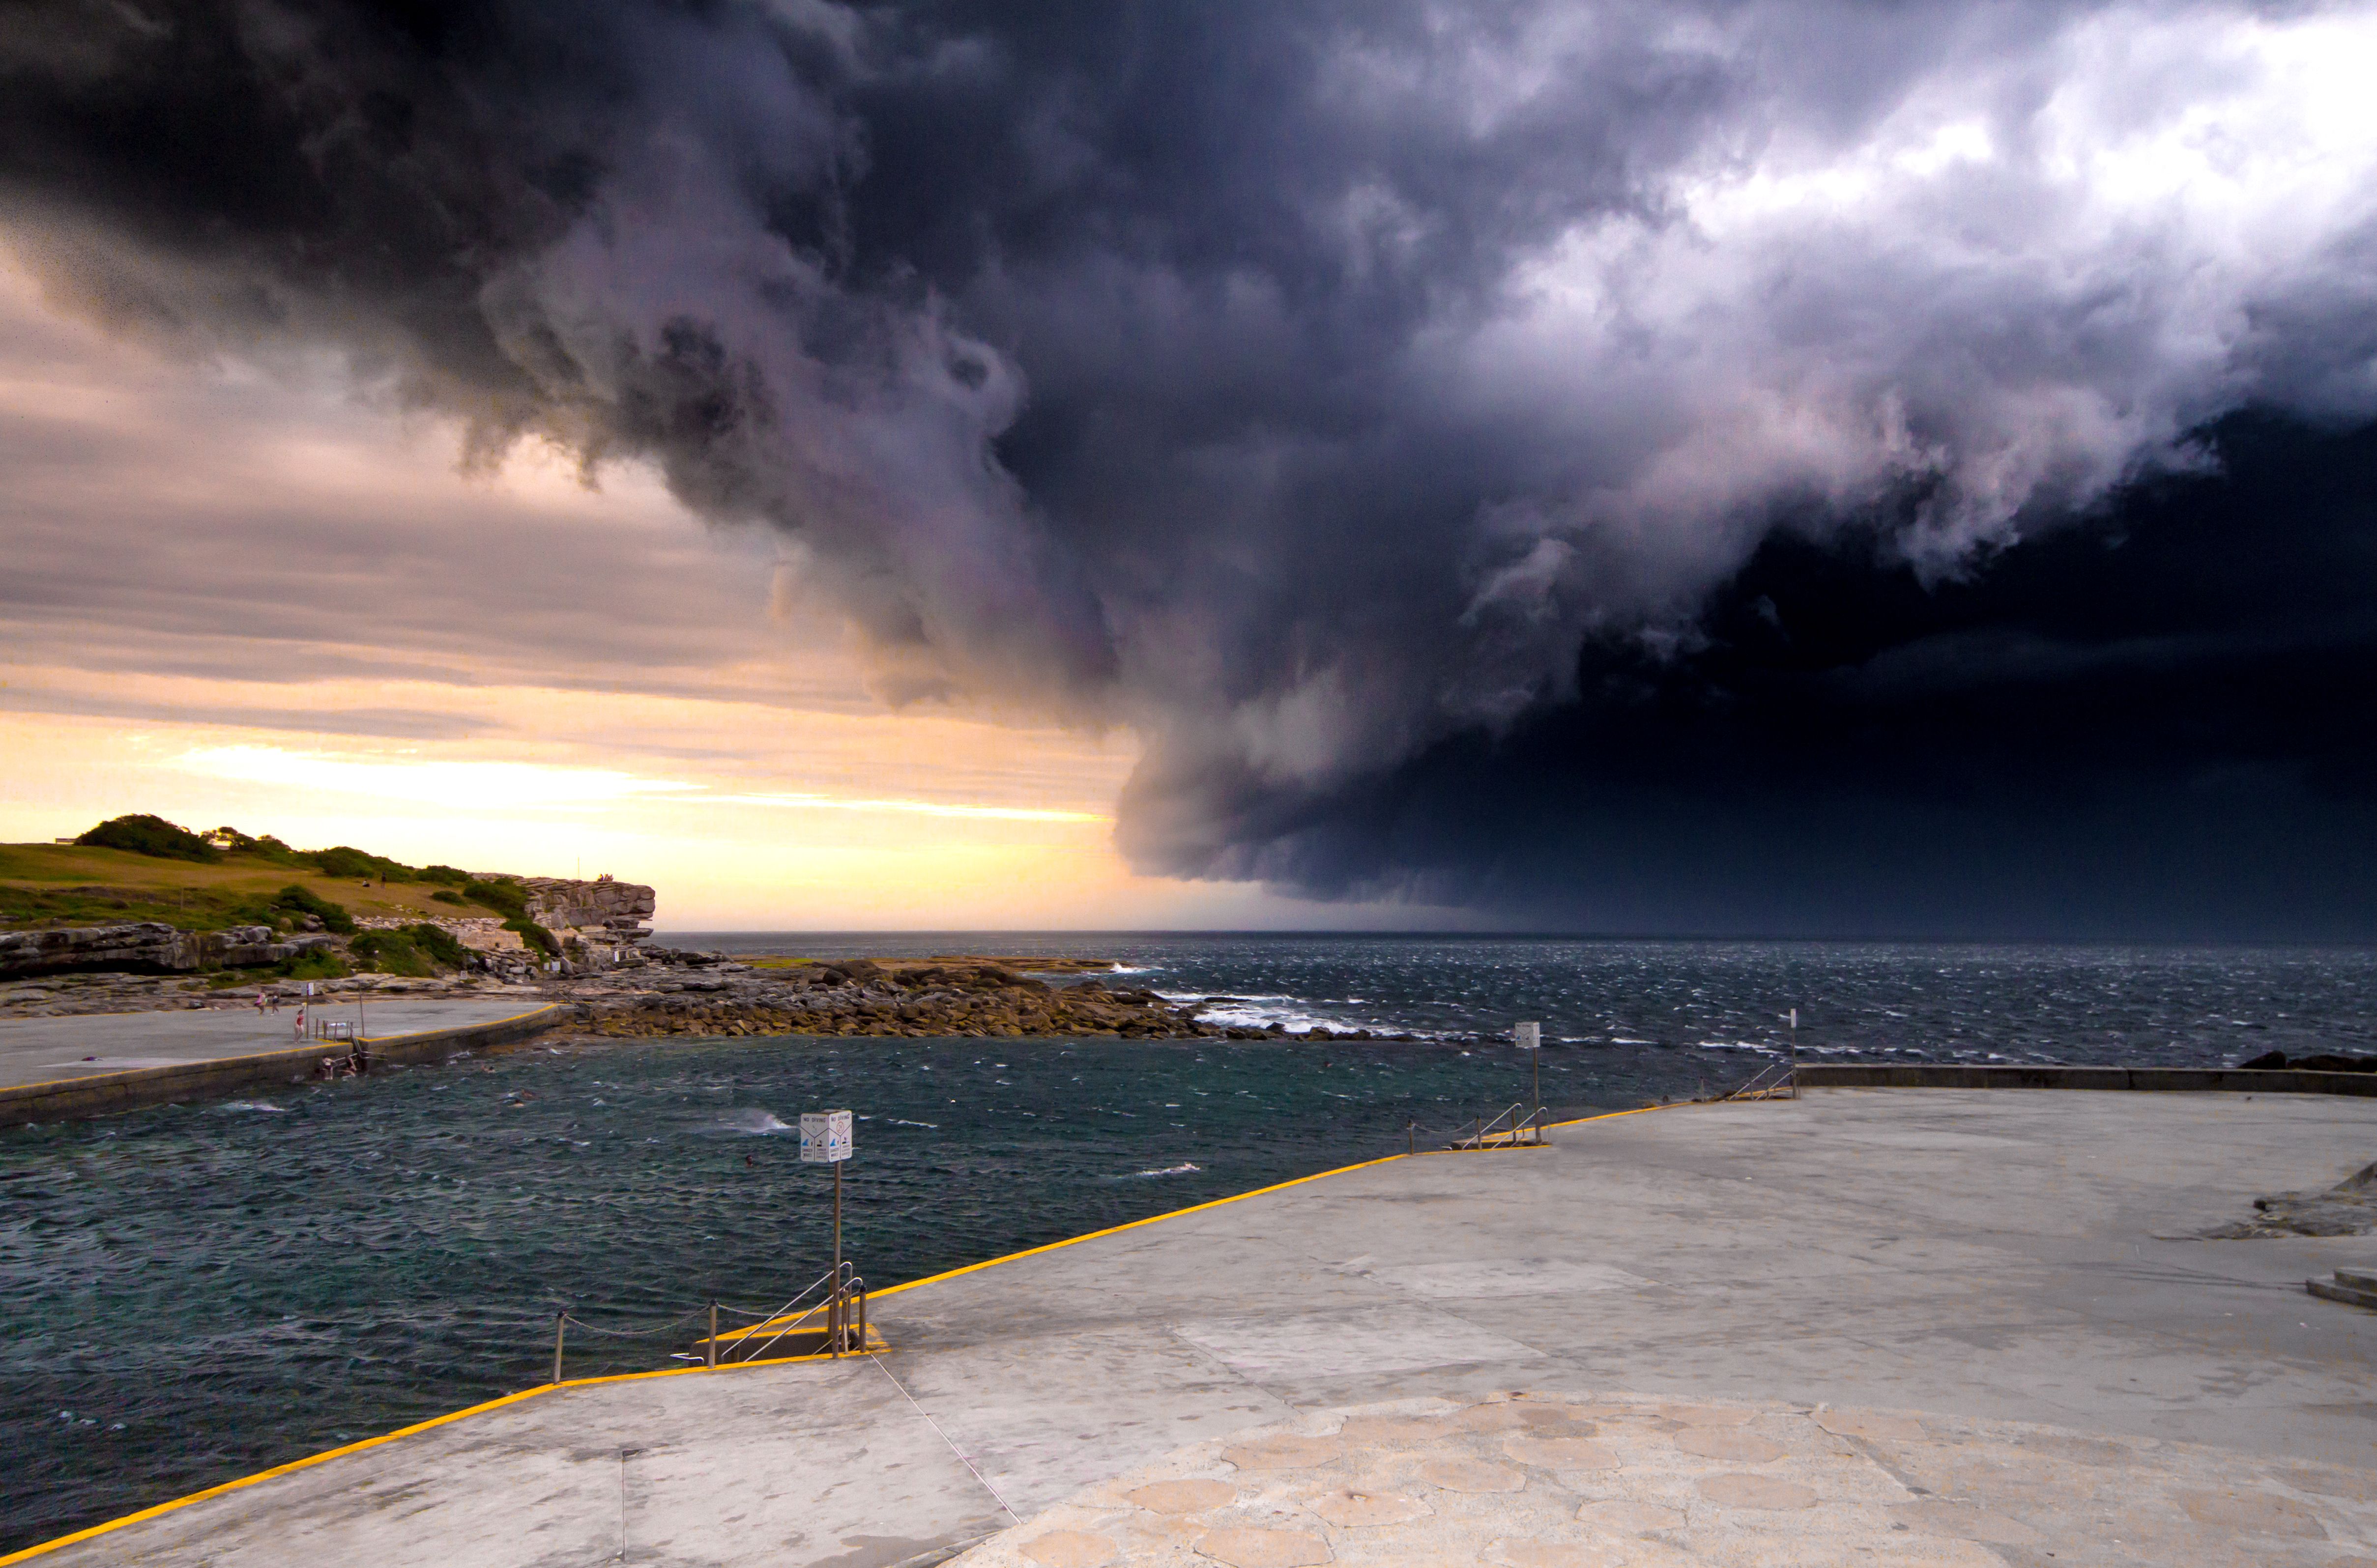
x=379 y=723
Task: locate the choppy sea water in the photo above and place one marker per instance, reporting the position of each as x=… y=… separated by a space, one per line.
x=195 y=1292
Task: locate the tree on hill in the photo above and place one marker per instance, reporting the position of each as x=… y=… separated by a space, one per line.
x=267 y=848
x=146 y=834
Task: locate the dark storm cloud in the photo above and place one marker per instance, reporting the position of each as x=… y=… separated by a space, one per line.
x=1354 y=398
x=2158 y=727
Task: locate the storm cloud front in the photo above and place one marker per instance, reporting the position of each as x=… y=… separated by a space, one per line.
x=1778 y=467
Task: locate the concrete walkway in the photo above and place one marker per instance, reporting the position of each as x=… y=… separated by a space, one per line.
x=1981 y=1258
x=38 y=1051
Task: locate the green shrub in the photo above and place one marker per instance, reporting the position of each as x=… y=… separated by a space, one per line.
x=345 y=860
x=439 y=944
x=448 y=896
x=390 y=952
x=535 y=935
x=447 y=875
x=294 y=899
x=314 y=963
x=146 y=834
x=501 y=894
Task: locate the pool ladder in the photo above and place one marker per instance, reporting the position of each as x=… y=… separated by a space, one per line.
x=1516 y=1128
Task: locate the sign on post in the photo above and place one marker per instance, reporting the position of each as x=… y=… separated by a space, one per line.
x=825 y=1136
x=1530 y=1037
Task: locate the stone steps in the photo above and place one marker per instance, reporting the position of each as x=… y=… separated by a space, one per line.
x=2354 y=1287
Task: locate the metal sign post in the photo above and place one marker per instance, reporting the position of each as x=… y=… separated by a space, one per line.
x=825 y=1140
x=1529 y=1038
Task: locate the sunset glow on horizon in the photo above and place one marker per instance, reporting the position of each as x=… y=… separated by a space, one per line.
x=603 y=685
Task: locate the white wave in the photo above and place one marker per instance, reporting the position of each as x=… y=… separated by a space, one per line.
x=752 y=1123
x=896 y=1122
x=1181 y=1169
x=251 y=1105
x=1245 y=1013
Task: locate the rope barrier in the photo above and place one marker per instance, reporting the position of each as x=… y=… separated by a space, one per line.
x=669 y=1328
x=945 y=1437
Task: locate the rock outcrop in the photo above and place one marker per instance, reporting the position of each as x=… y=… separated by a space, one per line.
x=2348 y=1208
x=857 y=996
x=599 y=910
x=146 y=947
x=140 y=947
x=2318 y=1062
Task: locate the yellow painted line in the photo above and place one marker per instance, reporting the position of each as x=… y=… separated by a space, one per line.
x=448 y=1029
x=1197 y=1208
x=874 y=1347
x=1119 y=1229
x=311 y=1459
x=9 y=1091
x=1614 y=1115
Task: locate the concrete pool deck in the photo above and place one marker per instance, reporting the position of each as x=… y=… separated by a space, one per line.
x=1941 y=1326
x=91 y=1064
x=35 y=1051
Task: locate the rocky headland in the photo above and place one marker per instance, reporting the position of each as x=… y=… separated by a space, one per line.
x=709 y=994
x=264 y=919
x=656 y=991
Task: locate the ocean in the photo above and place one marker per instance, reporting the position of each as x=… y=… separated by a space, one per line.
x=193 y=1292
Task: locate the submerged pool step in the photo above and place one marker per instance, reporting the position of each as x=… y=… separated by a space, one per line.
x=772 y=1342
x=2354 y=1287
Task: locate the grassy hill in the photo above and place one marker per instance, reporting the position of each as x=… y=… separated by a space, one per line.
x=242 y=883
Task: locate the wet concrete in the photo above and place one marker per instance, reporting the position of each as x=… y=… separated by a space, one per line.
x=37 y=1050
x=1966 y=1259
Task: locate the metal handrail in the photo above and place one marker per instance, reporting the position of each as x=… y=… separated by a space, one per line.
x=837 y=1306
x=1519 y=1125
x=750 y=1344
x=773 y=1320
x=1785 y=1084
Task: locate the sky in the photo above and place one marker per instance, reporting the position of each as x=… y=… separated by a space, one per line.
x=1769 y=466
x=251 y=600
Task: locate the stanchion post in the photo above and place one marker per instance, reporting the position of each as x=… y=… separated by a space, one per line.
x=1529 y=1037
x=713 y=1336
x=560 y=1327
x=825 y=1140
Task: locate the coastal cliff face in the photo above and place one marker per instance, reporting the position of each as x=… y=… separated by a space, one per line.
x=150 y=947
x=140 y=947
x=599 y=910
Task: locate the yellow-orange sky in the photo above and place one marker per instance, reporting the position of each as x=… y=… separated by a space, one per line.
x=256 y=595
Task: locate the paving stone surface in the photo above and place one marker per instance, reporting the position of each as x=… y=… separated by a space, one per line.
x=1523 y=1479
